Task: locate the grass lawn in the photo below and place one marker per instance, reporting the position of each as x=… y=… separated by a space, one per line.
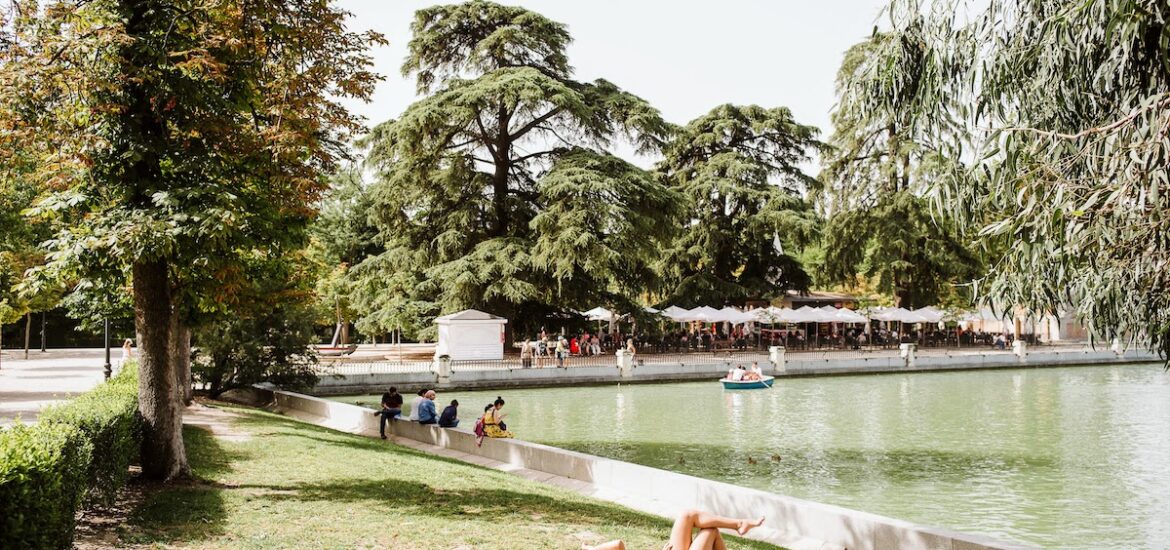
x=294 y=485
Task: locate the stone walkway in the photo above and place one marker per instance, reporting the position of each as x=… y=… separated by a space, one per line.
x=28 y=385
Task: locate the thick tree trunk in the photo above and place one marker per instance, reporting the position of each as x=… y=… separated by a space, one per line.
x=180 y=350
x=500 y=197
x=163 y=455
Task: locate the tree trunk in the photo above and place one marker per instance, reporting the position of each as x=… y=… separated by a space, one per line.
x=180 y=350
x=500 y=196
x=163 y=455
x=27 y=331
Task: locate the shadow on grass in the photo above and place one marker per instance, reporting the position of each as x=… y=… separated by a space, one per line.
x=199 y=511
x=191 y=510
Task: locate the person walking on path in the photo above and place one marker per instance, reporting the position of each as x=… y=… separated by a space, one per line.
x=526 y=354
x=426 y=412
x=391 y=409
x=561 y=351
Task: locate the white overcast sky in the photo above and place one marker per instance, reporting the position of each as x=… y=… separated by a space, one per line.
x=683 y=56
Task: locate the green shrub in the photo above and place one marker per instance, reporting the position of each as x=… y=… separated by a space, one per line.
x=108 y=417
x=78 y=452
x=42 y=480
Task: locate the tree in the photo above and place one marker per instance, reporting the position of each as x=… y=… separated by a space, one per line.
x=267 y=336
x=174 y=137
x=883 y=160
x=1065 y=109
x=1068 y=103
x=738 y=167
x=20 y=237
x=475 y=180
x=342 y=236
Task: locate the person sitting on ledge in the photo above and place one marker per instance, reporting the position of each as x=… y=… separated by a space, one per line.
x=391 y=408
x=426 y=409
x=493 y=420
x=448 y=418
x=708 y=538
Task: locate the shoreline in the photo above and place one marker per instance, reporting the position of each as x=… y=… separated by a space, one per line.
x=678 y=368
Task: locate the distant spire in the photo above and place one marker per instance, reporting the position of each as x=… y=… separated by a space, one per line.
x=777 y=244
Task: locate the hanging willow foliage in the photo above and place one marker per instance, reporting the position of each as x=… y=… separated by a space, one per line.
x=1068 y=106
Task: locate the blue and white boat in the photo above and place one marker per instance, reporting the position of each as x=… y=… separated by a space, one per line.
x=763 y=383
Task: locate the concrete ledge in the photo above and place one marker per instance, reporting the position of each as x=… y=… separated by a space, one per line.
x=710 y=368
x=792 y=522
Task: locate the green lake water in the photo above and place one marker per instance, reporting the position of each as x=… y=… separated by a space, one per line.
x=1063 y=457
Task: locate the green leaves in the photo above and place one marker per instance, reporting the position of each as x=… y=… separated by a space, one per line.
x=498 y=184
x=739 y=169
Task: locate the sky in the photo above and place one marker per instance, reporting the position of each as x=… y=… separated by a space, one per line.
x=685 y=57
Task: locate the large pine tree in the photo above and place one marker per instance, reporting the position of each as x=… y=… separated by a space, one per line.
x=739 y=168
x=498 y=189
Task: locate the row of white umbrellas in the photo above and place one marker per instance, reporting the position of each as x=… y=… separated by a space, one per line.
x=772 y=314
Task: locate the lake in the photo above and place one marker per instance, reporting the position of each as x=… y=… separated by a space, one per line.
x=1057 y=457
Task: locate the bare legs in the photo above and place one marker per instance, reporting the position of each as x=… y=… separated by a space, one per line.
x=611 y=545
x=709 y=525
x=708 y=538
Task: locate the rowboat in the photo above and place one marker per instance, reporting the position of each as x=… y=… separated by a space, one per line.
x=763 y=383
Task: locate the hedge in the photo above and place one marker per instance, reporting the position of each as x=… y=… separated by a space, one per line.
x=42 y=480
x=77 y=453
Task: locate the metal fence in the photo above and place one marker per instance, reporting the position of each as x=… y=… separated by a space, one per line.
x=373 y=367
x=720 y=357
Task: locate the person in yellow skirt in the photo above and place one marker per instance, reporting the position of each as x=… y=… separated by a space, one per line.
x=493 y=420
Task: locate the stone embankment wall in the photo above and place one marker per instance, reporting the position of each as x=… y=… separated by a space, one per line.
x=698 y=367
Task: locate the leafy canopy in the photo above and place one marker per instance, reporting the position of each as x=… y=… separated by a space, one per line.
x=1068 y=107
x=738 y=167
x=497 y=190
x=884 y=158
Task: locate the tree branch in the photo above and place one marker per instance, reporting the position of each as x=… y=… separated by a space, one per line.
x=534 y=123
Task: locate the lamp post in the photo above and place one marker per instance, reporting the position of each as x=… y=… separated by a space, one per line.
x=108 y=368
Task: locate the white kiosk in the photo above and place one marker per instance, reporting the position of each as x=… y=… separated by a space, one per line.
x=471 y=334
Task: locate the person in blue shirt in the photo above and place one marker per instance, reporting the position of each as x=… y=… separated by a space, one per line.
x=426 y=409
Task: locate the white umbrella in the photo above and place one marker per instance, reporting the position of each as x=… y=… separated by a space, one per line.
x=845 y=315
x=705 y=314
x=599 y=314
x=929 y=314
x=735 y=316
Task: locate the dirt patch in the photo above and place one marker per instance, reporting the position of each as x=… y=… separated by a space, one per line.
x=98 y=527
x=221 y=423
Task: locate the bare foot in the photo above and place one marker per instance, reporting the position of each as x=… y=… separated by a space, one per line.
x=746 y=525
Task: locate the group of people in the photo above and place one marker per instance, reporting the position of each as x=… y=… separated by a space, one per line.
x=740 y=374
x=423 y=411
x=562 y=348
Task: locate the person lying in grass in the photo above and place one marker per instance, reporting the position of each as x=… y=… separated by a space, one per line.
x=708 y=537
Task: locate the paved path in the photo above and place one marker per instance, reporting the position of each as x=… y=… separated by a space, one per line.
x=26 y=386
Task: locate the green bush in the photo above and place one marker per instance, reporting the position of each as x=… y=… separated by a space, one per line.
x=42 y=480
x=78 y=452
x=108 y=417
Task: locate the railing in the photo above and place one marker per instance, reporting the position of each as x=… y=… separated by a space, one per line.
x=373 y=367
x=651 y=360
